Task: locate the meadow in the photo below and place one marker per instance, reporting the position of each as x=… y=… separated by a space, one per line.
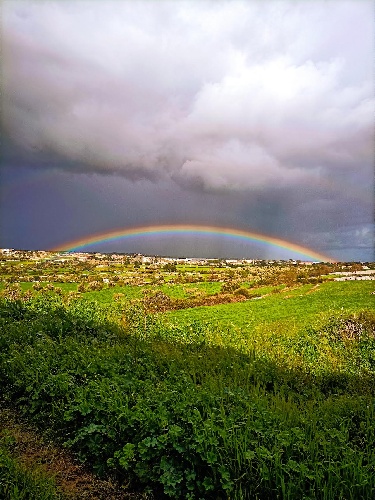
x=267 y=393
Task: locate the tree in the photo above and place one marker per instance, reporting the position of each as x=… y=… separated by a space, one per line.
x=170 y=267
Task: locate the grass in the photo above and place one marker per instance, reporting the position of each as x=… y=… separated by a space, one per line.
x=254 y=401
x=20 y=482
x=105 y=296
x=65 y=287
x=182 y=291
x=262 y=399
x=196 y=269
x=294 y=308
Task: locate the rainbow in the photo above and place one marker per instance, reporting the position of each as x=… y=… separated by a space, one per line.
x=176 y=229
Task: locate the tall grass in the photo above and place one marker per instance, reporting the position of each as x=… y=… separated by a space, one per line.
x=17 y=482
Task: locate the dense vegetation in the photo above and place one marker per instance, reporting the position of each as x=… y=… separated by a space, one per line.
x=270 y=398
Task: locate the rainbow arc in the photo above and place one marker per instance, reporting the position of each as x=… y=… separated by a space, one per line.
x=186 y=229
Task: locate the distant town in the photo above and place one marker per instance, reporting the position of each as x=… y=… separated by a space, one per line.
x=135 y=257
x=340 y=271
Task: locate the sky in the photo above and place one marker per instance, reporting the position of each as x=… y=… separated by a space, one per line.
x=256 y=116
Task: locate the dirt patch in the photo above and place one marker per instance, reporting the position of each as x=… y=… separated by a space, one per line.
x=73 y=479
x=313 y=289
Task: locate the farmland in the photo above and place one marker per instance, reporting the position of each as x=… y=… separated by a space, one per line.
x=204 y=381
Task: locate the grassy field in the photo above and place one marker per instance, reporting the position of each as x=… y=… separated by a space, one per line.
x=266 y=398
x=296 y=307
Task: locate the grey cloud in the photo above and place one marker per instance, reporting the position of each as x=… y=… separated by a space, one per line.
x=220 y=96
x=359 y=236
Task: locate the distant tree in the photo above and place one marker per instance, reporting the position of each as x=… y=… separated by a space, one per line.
x=12 y=291
x=28 y=295
x=170 y=267
x=95 y=286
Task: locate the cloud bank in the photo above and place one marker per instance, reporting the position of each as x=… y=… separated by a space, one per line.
x=211 y=95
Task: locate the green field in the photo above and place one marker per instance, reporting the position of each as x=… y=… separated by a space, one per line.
x=296 y=307
x=269 y=397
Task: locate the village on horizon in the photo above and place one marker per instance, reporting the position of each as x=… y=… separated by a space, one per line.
x=344 y=270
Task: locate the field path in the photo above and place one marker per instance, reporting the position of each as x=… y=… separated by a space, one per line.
x=311 y=290
x=72 y=479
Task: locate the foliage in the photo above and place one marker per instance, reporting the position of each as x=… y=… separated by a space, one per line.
x=170 y=267
x=194 y=410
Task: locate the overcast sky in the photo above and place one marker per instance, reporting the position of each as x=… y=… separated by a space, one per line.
x=252 y=115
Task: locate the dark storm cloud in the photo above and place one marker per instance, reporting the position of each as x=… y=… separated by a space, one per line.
x=229 y=95
x=258 y=115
